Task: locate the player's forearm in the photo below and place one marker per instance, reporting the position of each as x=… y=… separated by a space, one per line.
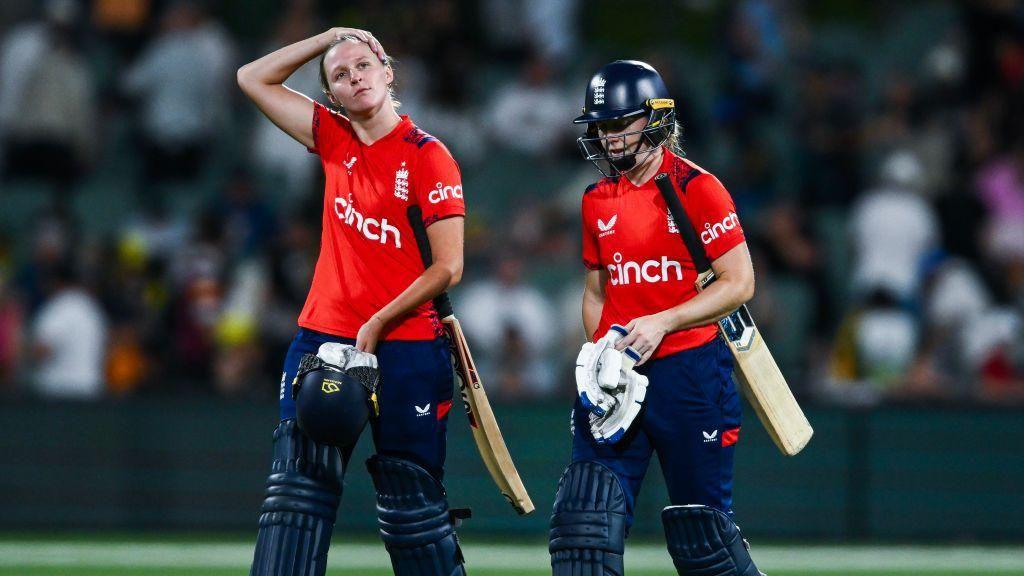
x=715 y=302
x=592 y=308
x=276 y=67
x=434 y=280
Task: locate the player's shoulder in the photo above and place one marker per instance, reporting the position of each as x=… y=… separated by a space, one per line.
x=603 y=187
x=421 y=140
x=324 y=114
x=690 y=177
x=425 y=147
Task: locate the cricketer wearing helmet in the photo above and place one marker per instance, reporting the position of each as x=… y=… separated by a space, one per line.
x=655 y=377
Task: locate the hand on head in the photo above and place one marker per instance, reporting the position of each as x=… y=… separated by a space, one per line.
x=362 y=36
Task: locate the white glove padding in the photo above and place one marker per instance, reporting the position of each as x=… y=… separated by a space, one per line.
x=629 y=399
x=592 y=397
x=597 y=372
x=345 y=356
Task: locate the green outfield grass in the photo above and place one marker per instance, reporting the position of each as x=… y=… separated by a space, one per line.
x=151 y=556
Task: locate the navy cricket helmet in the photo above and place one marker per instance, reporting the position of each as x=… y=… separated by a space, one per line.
x=620 y=92
x=332 y=404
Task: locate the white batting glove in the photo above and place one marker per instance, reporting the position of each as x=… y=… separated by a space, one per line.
x=610 y=428
x=598 y=369
x=592 y=397
x=345 y=356
x=629 y=394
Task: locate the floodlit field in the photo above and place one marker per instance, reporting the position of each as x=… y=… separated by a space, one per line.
x=175 y=557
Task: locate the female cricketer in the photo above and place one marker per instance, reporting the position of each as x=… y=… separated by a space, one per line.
x=640 y=277
x=371 y=290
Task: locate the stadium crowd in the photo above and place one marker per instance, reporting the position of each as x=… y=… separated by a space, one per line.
x=158 y=237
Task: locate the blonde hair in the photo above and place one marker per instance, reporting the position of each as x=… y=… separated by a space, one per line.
x=325 y=84
x=675 y=140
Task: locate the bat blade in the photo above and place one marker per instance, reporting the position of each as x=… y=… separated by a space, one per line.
x=765 y=388
x=483 y=424
x=761 y=380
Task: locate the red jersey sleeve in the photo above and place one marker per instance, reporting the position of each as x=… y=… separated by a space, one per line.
x=329 y=130
x=591 y=256
x=713 y=214
x=437 y=184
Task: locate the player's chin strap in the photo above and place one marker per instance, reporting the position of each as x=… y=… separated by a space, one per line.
x=705 y=541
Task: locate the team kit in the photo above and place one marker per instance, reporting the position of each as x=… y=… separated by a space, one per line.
x=670 y=345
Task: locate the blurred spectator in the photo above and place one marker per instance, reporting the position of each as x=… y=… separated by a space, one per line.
x=122 y=22
x=1000 y=185
x=518 y=27
x=198 y=275
x=532 y=115
x=53 y=241
x=828 y=121
x=69 y=337
x=11 y=332
x=154 y=232
x=755 y=48
x=291 y=259
x=238 y=357
x=289 y=167
x=512 y=325
x=996 y=356
x=248 y=222
x=893 y=229
x=48 y=110
x=181 y=81
x=874 y=350
x=127 y=365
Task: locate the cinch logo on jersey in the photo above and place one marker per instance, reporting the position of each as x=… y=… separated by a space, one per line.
x=442 y=192
x=372 y=229
x=719 y=228
x=606 y=228
x=639 y=272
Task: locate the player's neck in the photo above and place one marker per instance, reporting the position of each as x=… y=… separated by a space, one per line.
x=647 y=169
x=372 y=127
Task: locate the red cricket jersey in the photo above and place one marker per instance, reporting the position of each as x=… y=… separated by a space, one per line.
x=368 y=254
x=629 y=231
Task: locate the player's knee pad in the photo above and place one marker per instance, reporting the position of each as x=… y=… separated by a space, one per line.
x=298 y=513
x=415 y=522
x=588 y=522
x=706 y=542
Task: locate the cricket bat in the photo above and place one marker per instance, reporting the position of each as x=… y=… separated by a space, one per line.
x=482 y=422
x=759 y=376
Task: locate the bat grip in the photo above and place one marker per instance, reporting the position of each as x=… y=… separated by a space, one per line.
x=442 y=302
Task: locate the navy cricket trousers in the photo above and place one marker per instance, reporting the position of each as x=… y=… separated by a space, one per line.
x=415 y=395
x=691 y=419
